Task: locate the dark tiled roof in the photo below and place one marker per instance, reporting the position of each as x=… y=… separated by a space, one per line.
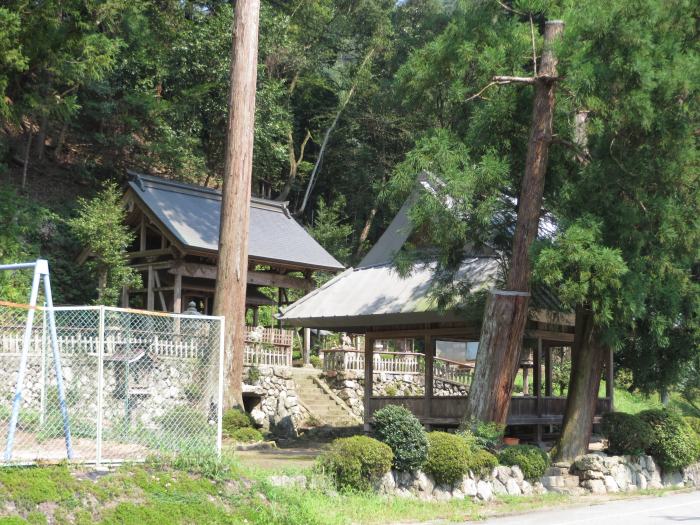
x=191 y=214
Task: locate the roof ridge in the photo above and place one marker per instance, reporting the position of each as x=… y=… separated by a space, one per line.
x=259 y=202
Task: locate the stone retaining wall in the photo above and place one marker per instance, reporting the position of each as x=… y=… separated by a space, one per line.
x=279 y=410
x=349 y=386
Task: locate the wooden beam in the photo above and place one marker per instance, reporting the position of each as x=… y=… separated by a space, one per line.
x=548 y=371
x=369 y=373
x=149 y=253
x=557 y=337
x=142 y=234
x=160 y=265
x=160 y=291
x=208 y=271
x=610 y=381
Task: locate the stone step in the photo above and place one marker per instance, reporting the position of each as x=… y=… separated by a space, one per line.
x=557 y=471
x=557 y=482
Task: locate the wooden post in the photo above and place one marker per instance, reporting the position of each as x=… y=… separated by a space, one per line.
x=125 y=297
x=429 y=374
x=142 y=234
x=548 y=371
x=256 y=315
x=149 y=289
x=307 y=346
x=505 y=318
x=537 y=380
x=232 y=272
x=369 y=374
x=177 y=293
x=526 y=381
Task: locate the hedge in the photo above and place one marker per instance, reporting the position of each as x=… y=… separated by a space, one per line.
x=356 y=463
x=532 y=460
x=675 y=445
x=401 y=430
x=627 y=434
x=448 y=458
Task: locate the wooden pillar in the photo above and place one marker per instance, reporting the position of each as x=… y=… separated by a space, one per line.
x=526 y=381
x=125 y=297
x=548 y=371
x=610 y=380
x=256 y=315
x=177 y=293
x=369 y=374
x=429 y=359
x=142 y=235
x=537 y=379
x=149 y=289
x=279 y=305
x=307 y=346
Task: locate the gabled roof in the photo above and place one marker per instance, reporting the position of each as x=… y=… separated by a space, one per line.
x=378 y=295
x=191 y=214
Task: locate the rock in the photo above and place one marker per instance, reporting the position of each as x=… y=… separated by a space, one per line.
x=457 y=494
x=283 y=372
x=468 y=487
x=589 y=462
x=258 y=416
x=512 y=487
x=592 y=474
x=595 y=486
x=386 y=484
x=484 y=491
x=423 y=483
x=403 y=479
x=498 y=487
x=610 y=484
x=403 y=493
x=502 y=473
x=526 y=488
x=674 y=479
x=641 y=481
x=288 y=481
x=442 y=493
x=539 y=488
x=517 y=473
x=623 y=475
x=562 y=464
x=290 y=402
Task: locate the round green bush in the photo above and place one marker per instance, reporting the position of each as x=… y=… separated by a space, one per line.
x=674 y=443
x=357 y=462
x=531 y=460
x=481 y=461
x=694 y=423
x=627 y=434
x=247 y=435
x=401 y=430
x=234 y=419
x=448 y=458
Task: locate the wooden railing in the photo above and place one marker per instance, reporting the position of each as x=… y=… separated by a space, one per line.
x=342 y=359
x=269 y=347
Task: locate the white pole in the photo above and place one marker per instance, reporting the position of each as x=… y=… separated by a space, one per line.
x=220 y=400
x=100 y=384
x=42 y=413
x=23 y=360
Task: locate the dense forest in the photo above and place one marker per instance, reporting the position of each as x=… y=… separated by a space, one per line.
x=354 y=99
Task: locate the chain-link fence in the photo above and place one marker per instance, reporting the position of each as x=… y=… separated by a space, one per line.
x=135 y=384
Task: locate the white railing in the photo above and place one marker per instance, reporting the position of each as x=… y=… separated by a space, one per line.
x=342 y=359
x=269 y=347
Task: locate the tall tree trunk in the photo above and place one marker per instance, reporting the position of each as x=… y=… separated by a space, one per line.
x=293 y=163
x=506 y=312
x=364 y=234
x=27 y=150
x=232 y=270
x=41 y=136
x=587 y=358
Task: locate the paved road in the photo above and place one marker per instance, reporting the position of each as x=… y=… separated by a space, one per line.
x=673 y=508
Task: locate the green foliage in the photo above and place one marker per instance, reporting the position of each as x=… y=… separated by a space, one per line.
x=331 y=230
x=357 y=462
x=316 y=361
x=253 y=374
x=235 y=419
x=401 y=430
x=184 y=421
x=532 y=460
x=674 y=445
x=694 y=423
x=482 y=434
x=391 y=390
x=481 y=462
x=627 y=434
x=100 y=226
x=448 y=458
x=247 y=435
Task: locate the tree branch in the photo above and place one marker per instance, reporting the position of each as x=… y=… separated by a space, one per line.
x=534 y=47
x=514 y=80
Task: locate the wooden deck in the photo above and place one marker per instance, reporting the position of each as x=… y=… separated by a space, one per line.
x=449 y=411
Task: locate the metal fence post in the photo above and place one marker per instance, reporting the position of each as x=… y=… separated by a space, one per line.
x=42 y=401
x=100 y=384
x=220 y=400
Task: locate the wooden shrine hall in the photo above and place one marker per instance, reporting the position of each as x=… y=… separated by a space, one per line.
x=400 y=319
x=176 y=248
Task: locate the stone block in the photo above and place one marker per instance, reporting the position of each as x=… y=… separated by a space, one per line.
x=484 y=491
x=498 y=487
x=468 y=487
x=457 y=494
x=442 y=493
x=517 y=473
x=526 y=488
x=595 y=486
x=423 y=483
x=610 y=484
x=512 y=487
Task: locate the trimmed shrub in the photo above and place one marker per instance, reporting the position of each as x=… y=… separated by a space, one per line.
x=674 y=444
x=531 y=460
x=485 y=434
x=448 y=458
x=481 y=461
x=247 y=435
x=627 y=434
x=357 y=462
x=316 y=361
x=234 y=419
x=401 y=430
